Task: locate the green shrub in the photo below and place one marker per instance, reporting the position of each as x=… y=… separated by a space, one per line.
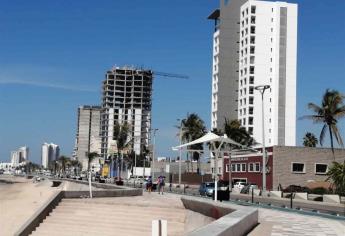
x=319 y=190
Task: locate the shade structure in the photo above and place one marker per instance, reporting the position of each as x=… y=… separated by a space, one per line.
x=210 y=138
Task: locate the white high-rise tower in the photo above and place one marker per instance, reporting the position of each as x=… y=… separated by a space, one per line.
x=255 y=43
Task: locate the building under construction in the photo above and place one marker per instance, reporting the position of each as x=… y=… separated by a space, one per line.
x=126 y=97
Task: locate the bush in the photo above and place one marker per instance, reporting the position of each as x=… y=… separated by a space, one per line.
x=296 y=189
x=319 y=190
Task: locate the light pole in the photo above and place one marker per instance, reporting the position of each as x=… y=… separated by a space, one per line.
x=153 y=153
x=180 y=161
x=261 y=89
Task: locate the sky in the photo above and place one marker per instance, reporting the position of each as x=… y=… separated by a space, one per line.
x=54 y=55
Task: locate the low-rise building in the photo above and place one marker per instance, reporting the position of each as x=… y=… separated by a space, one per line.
x=285 y=166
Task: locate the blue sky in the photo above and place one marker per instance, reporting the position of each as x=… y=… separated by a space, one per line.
x=54 y=54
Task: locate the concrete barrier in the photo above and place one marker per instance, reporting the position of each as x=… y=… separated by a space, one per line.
x=331 y=198
x=301 y=196
x=231 y=220
x=276 y=194
x=257 y=192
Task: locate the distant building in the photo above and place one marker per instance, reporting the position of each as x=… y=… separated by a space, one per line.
x=88 y=129
x=255 y=43
x=20 y=156
x=127 y=97
x=50 y=152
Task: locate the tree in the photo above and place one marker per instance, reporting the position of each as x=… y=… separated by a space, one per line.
x=90 y=157
x=76 y=165
x=63 y=160
x=121 y=132
x=309 y=140
x=332 y=108
x=234 y=130
x=193 y=127
x=337 y=174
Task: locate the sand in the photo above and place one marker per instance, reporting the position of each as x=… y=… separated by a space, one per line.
x=18 y=201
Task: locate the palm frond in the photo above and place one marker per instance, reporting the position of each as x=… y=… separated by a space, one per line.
x=315 y=108
x=322 y=134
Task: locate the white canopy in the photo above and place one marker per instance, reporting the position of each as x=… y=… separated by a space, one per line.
x=210 y=137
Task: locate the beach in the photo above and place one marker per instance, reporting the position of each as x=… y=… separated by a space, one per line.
x=19 y=200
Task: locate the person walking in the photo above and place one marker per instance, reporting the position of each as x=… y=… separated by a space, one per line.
x=149 y=184
x=161 y=184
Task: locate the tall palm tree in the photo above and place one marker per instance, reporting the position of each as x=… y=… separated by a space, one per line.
x=63 y=162
x=193 y=127
x=332 y=108
x=234 y=130
x=309 y=140
x=90 y=157
x=121 y=134
x=76 y=165
x=337 y=174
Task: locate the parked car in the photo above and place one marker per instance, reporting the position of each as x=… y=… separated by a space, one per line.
x=206 y=189
x=248 y=188
x=239 y=185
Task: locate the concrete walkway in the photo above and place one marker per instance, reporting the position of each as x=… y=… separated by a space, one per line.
x=279 y=223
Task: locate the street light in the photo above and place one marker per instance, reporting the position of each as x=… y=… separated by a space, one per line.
x=179 y=161
x=153 y=153
x=261 y=89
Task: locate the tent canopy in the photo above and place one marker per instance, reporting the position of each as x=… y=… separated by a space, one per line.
x=210 y=138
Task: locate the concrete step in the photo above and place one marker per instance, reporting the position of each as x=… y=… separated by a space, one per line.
x=116 y=214
x=142 y=223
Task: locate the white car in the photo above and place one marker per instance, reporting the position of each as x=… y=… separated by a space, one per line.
x=239 y=185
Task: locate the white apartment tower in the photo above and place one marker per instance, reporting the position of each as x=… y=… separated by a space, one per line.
x=20 y=156
x=126 y=97
x=255 y=43
x=50 y=152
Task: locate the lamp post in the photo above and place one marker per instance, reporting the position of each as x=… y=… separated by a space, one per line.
x=153 y=153
x=179 y=161
x=261 y=89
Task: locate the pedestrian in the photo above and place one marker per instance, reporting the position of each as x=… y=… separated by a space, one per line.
x=161 y=184
x=149 y=184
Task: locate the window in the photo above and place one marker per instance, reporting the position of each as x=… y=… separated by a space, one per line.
x=250 y=130
x=251 y=70
x=252 y=50
x=244 y=119
x=252 y=39
x=297 y=167
x=252 y=29
x=251 y=110
x=238 y=167
x=250 y=121
x=251 y=167
x=252 y=20
x=253 y=9
x=251 y=90
x=251 y=80
x=233 y=167
x=321 y=169
x=251 y=100
x=252 y=59
x=243 y=165
x=257 y=167
x=227 y=168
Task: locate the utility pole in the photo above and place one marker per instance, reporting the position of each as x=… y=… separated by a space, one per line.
x=153 y=153
x=179 y=161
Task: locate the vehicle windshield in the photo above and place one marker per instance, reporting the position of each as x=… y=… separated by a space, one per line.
x=210 y=185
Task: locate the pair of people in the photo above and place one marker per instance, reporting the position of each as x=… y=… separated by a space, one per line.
x=160 y=184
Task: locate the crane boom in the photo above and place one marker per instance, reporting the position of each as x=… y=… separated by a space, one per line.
x=164 y=74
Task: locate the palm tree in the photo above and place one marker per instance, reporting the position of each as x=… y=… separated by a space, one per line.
x=193 y=127
x=234 y=130
x=337 y=174
x=76 y=165
x=121 y=133
x=331 y=109
x=90 y=157
x=310 y=140
x=63 y=160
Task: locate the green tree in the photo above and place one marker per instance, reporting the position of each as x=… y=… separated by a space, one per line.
x=193 y=127
x=234 y=130
x=121 y=133
x=309 y=140
x=336 y=173
x=76 y=165
x=90 y=157
x=63 y=161
x=331 y=110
